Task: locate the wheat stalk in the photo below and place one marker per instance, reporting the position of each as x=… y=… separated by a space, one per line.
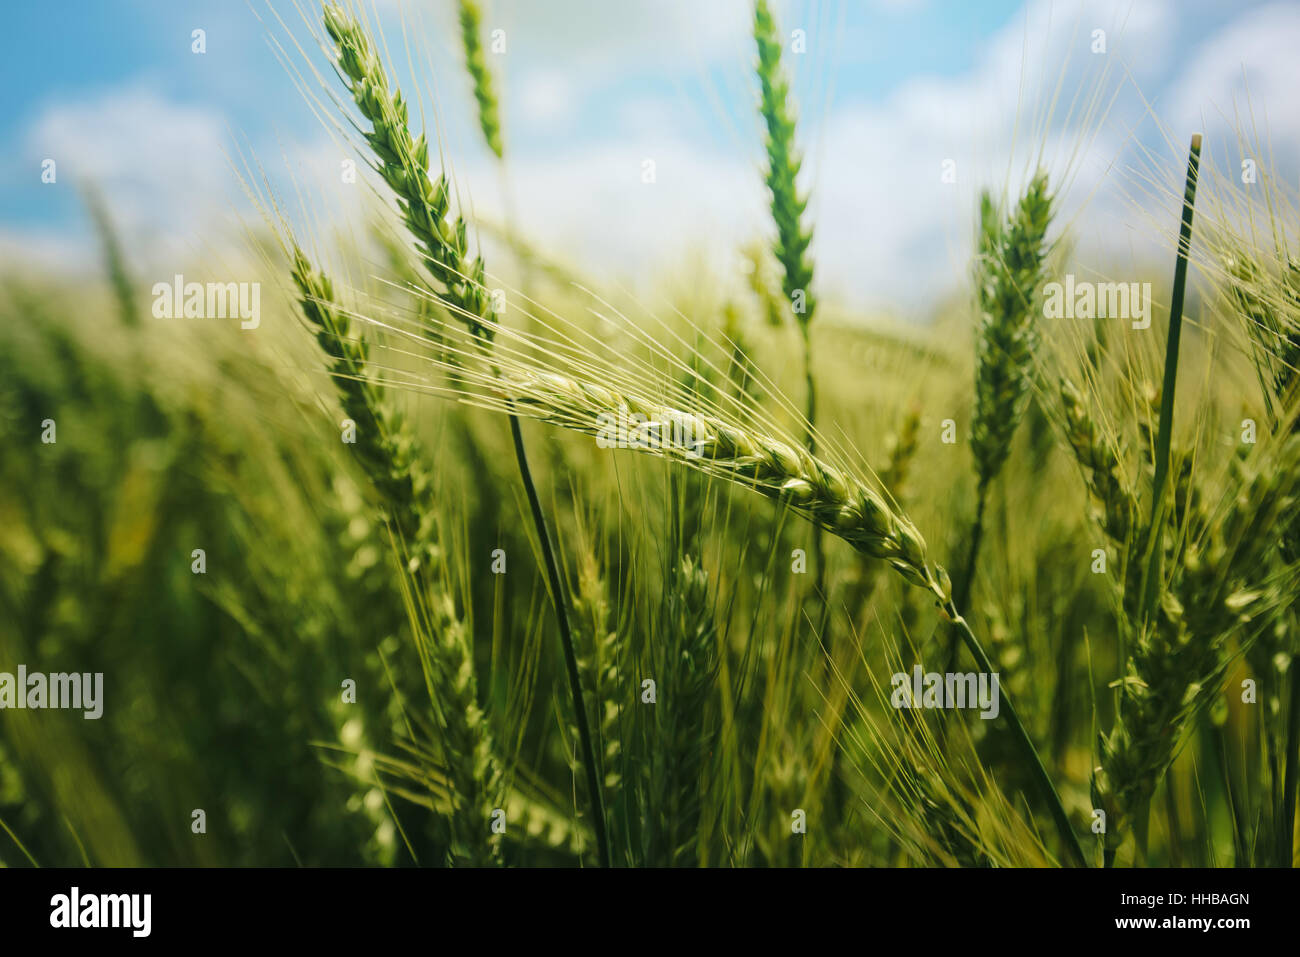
x=792 y=238
x=1270 y=308
x=828 y=497
x=404 y=164
x=1268 y=303
x=1101 y=464
x=783 y=163
x=901 y=452
x=387 y=451
x=602 y=667
x=682 y=729
x=831 y=498
x=119 y=273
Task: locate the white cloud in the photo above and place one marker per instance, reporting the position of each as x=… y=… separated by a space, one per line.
x=597 y=37
x=546 y=100
x=160 y=165
x=889 y=233
x=1251 y=66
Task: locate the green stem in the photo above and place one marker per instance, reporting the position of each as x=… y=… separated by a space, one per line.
x=966 y=582
x=810 y=385
x=1234 y=797
x=595 y=793
x=1165 y=435
x=1026 y=744
x=1141 y=832
x=566 y=641
x=1175 y=825
x=810 y=388
x=1154 y=540
x=1286 y=837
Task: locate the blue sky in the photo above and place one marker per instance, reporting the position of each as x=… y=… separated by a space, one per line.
x=888 y=90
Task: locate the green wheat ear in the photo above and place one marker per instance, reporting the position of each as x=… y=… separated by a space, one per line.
x=1103 y=471
x=489 y=114
x=388 y=452
x=1008 y=274
x=114 y=257
x=783 y=163
x=792 y=239
x=1008 y=271
x=404 y=164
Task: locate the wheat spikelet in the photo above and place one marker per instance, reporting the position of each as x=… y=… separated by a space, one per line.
x=404 y=164
x=601 y=664
x=1101 y=466
x=759 y=282
x=783 y=163
x=1270 y=306
x=114 y=258
x=900 y=453
x=682 y=732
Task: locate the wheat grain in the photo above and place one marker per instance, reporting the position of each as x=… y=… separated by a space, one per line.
x=827 y=496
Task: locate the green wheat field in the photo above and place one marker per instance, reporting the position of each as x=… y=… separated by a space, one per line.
x=464 y=557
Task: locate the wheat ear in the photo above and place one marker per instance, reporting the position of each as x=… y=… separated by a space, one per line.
x=403 y=162
x=792 y=238
x=1101 y=465
x=1008 y=268
x=489 y=113
x=830 y=498
x=387 y=453
x=1180 y=657
x=783 y=163
x=1009 y=271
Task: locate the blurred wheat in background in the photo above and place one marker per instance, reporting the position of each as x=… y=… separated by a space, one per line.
x=342 y=612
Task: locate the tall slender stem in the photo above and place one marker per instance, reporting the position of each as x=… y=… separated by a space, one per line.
x=1141 y=831
x=566 y=641
x=966 y=582
x=810 y=440
x=1175 y=828
x=1286 y=835
x=1151 y=574
x=1165 y=435
x=1029 y=752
